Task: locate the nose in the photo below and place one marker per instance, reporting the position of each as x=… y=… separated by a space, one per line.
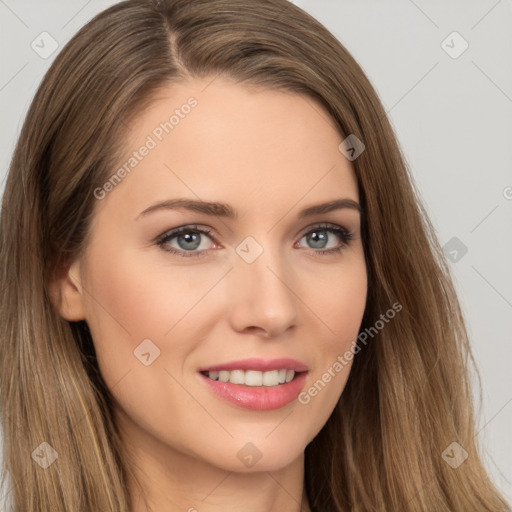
x=262 y=296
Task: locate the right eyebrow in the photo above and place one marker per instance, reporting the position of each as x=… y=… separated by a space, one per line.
x=206 y=207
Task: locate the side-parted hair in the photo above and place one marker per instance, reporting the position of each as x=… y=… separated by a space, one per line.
x=408 y=396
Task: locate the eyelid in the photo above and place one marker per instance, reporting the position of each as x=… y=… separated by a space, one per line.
x=345 y=235
x=322 y=225
x=172 y=233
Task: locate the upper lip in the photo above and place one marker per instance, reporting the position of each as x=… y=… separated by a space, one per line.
x=262 y=365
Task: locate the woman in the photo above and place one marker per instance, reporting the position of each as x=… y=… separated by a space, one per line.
x=186 y=174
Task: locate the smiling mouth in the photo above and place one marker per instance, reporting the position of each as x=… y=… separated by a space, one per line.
x=253 y=378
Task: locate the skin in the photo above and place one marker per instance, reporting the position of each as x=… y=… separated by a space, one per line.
x=268 y=154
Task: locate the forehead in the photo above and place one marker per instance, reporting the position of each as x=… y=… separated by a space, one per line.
x=215 y=139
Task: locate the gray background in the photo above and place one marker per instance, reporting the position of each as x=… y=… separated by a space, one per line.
x=453 y=118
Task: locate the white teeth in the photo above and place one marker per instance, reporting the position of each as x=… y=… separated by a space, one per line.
x=237 y=377
x=224 y=376
x=253 y=377
x=271 y=378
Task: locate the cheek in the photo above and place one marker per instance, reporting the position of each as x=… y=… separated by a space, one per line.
x=339 y=299
x=340 y=304
x=130 y=299
x=130 y=303
x=124 y=307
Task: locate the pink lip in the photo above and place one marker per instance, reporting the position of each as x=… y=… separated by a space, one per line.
x=259 y=398
x=262 y=365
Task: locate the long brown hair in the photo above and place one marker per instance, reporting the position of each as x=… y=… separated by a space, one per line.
x=408 y=396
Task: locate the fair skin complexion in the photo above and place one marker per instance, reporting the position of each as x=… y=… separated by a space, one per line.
x=267 y=154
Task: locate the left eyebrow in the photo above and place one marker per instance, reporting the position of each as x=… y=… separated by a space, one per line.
x=225 y=210
x=337 y=204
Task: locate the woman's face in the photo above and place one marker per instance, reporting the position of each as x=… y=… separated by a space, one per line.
x=255 y=286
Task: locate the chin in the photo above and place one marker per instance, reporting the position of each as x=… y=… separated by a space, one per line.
x=250 y=457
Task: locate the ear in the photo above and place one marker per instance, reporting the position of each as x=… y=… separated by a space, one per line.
x=67 y=293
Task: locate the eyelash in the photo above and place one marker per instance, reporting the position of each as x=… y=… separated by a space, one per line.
x=345 y=236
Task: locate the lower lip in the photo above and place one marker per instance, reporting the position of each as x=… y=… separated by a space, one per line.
x=260 y=398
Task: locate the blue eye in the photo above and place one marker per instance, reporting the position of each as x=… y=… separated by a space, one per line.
x=188 y=239
x=318 y=237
